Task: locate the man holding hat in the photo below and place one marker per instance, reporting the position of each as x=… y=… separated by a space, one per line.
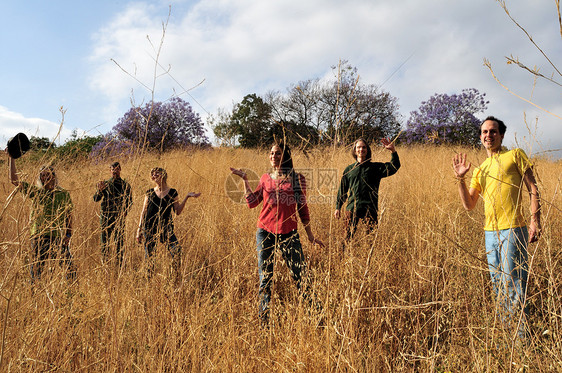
x=51 y=217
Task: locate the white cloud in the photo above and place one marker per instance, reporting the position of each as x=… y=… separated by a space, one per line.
x=12 y=123
x=243 y=46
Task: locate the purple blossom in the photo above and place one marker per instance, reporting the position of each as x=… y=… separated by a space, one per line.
x=447 y=119
x=157 y=126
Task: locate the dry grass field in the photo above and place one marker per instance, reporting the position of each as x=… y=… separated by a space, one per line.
x=412 y=296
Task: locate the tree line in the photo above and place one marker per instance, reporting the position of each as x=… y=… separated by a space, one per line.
x=318 y=111
x=340 y=110
x=312 y=112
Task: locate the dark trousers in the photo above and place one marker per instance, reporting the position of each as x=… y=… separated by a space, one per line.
x=46 y=247
x=169 y=239
x=112 y=226
x=352 y=218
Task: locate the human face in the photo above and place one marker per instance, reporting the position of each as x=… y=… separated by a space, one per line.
x=275 y=156
x=156 y=177
x=490 y=136
x=47 y=179
x=361 y=150
x=116 y=172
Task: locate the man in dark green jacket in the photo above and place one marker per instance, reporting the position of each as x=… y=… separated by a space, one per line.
x=360 y=185
x=116 y=199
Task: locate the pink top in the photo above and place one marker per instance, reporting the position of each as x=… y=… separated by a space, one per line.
x=278 y=213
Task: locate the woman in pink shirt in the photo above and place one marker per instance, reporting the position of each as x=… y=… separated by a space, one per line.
x=283 y=193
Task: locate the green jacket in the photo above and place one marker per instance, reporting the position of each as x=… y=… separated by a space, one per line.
x=50 y=210
x=360 y=183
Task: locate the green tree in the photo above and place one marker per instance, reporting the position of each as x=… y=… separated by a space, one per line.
x=40 y=143
x=252 y=119
x=77 y=147
x=250 y=123
x=224 y=132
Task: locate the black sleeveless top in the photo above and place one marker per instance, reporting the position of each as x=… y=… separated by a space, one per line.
x=158 y=217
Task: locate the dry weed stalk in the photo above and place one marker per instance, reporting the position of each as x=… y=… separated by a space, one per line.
x=411 y=296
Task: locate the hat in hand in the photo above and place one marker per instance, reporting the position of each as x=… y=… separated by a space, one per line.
x=18 y=145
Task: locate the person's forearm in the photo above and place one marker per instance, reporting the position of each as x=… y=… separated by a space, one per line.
x=308 y=230
x=181 y=205
x=536 y=207
x=13 y=172
x=69 y=226
x=247 y=186
x=141 y=220
x=467 y=200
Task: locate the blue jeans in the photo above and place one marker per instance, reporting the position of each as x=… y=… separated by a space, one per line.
x=506 y=251
x=291 y=249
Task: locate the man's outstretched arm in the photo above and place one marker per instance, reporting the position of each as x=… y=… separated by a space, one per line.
x=531 y=184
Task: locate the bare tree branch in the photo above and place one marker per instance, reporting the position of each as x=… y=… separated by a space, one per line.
x=504 y=7
x=535 y=71
x=489 y=66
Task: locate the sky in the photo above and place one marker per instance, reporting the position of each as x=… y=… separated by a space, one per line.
x=83 y=64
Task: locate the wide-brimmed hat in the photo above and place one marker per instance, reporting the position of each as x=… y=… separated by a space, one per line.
x=18 y=145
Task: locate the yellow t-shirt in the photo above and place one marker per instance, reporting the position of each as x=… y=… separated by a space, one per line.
x=499 y=179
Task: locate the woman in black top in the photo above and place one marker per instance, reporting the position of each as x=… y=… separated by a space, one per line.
x=156 y=218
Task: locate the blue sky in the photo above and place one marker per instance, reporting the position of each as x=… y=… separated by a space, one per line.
x=60 y=53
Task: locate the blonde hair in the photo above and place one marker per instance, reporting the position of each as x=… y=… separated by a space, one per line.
x=161 y=171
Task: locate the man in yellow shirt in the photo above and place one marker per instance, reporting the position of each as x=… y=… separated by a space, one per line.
x=499 y=181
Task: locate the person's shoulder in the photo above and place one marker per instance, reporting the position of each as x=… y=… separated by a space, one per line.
x=351 y=166
x=59 y=189
x=24 y=184
x=515 y=153
x=518 y=152
x=522 y=160
x=483 y=164
x=173 y=192
x=26 y=187
x=300 y=177
x=62 y=192
x=265 y=177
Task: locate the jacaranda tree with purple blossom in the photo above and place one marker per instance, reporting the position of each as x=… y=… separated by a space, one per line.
x=447 y=119
x=155 y=126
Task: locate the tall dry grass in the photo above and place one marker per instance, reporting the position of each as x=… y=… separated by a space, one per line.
x=413 y=296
